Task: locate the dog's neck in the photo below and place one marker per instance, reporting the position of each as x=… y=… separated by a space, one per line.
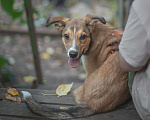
x=95 y=57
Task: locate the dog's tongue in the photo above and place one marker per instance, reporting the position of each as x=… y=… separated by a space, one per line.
x=73 y=62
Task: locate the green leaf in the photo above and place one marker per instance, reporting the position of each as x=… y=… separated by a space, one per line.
x=16 y=14
x=2 y=62
x=23 y=21
x=7 y=5
x=9 y=74
x=35 y=11
x=5 y=76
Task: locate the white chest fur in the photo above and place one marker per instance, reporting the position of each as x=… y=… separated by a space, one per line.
x=83 y=60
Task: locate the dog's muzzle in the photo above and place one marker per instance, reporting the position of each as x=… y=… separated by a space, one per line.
x=73 y=54
x=73 y=60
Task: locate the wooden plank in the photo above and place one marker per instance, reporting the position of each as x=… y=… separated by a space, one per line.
x=24 y=30
x=33 y=91
x=19 y=110
x=37 y=94
x=115 y=115
x=13 y=118
x=15 y=110
x=126 y=111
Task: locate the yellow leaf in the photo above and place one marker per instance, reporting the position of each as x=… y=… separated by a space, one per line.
x=63 y=89
x=45 y=55
x=29 y=79
x=63 y=107
x=12 y=91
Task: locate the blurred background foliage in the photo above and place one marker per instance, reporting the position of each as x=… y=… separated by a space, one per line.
x=5 y=74
x=69 y=8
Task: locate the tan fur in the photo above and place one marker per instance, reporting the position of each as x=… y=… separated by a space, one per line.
x=105 y=86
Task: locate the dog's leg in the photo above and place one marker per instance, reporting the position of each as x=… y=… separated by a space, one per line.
x=78 y=94
x=106 y=88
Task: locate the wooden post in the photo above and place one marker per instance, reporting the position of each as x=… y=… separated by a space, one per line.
x=33 y=39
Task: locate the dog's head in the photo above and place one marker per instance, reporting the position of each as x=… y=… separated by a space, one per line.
x=76 y=34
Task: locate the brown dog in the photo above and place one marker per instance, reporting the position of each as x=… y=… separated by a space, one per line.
x=105 y=86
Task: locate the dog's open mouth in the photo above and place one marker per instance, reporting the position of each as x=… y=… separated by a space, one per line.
x=73 y=62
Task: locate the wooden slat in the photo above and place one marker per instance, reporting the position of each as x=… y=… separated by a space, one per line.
x=15 y=110
x=37 y=94
x=24 y=30
x=33 y=91
x=14 y=118
x=124 y=112
x=20 y=110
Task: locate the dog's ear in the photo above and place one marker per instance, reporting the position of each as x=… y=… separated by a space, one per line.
x=59 y=21
x=90 y=21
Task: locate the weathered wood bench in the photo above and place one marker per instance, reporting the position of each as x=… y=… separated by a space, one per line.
x=18 y=111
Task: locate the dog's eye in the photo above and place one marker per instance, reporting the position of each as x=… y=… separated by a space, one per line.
x=82 y=37
x=66 y=36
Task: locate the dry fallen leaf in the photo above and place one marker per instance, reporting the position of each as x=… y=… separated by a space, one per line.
x=63 y=107
x=14 y=99
x=10 y=98
x=18 y=99
x=63 y=89
x=29 y=79
x=12 y=91
x=45 y=55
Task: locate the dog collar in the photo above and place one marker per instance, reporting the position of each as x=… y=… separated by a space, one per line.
x=114 y=43
x=113 y=51
x=116 y=32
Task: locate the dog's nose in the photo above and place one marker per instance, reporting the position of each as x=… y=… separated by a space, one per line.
x=73 y=54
